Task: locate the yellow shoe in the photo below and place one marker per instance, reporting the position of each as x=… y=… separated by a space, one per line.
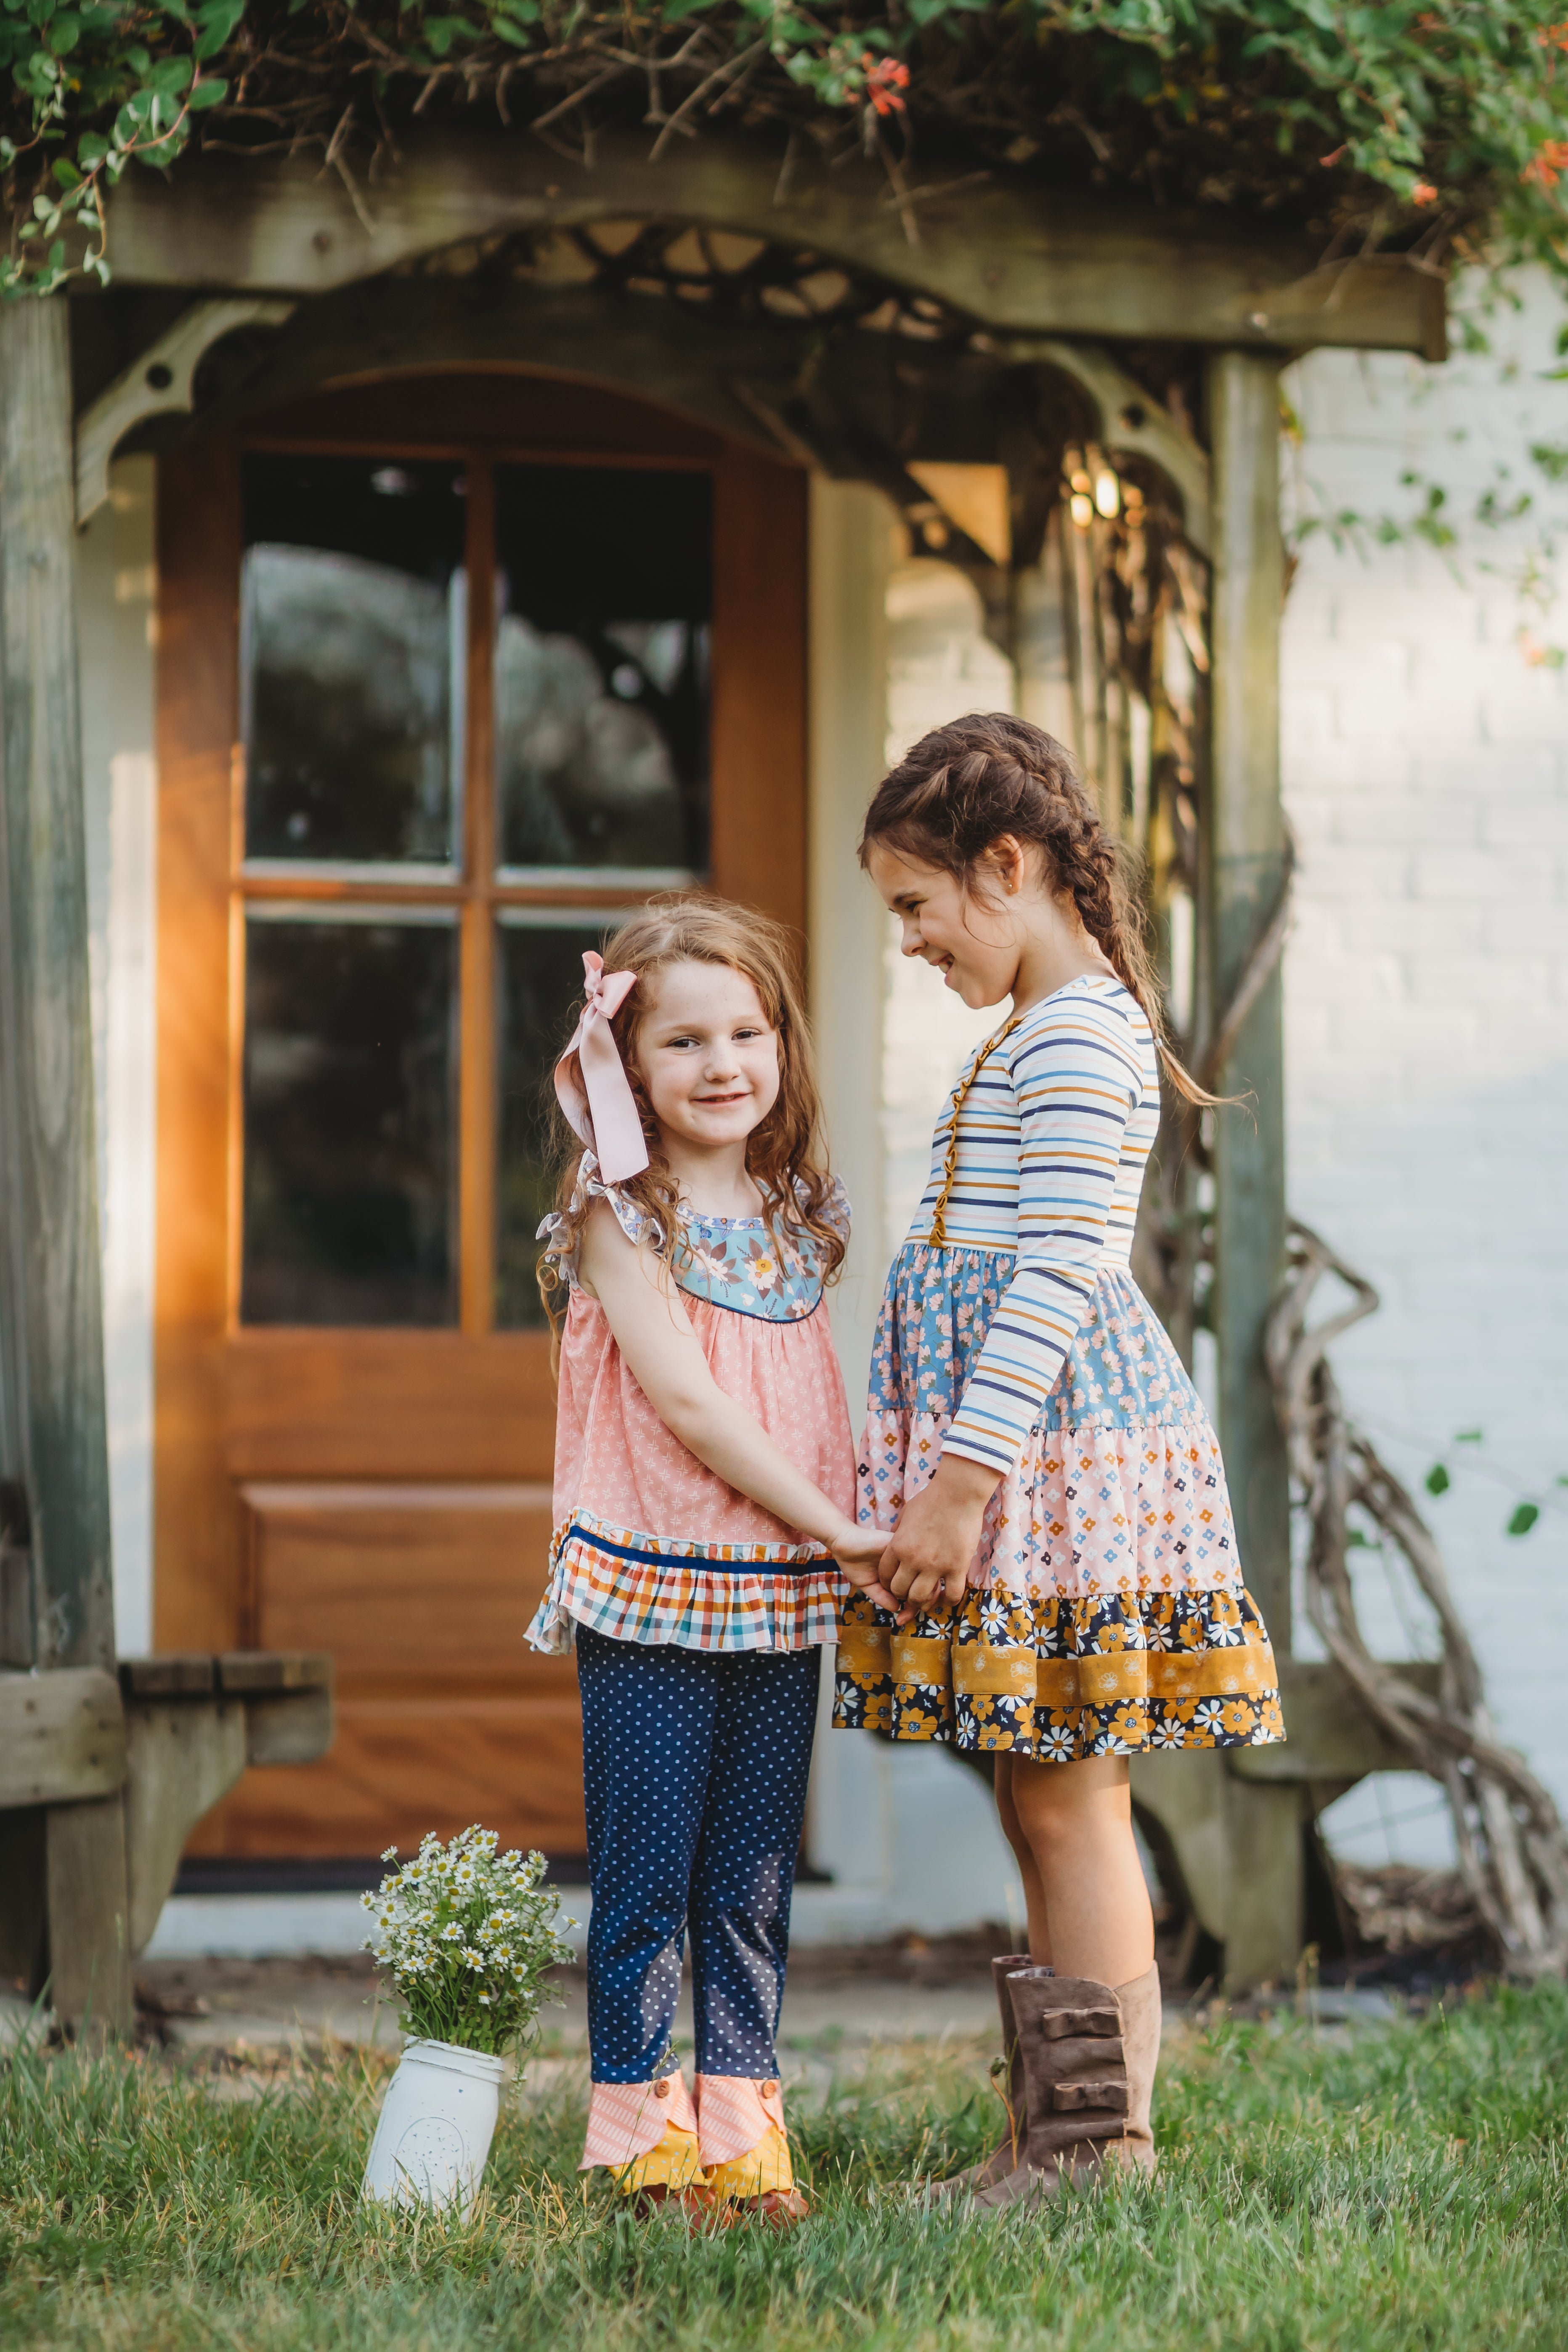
x=763 y=2170
x=667 y=2170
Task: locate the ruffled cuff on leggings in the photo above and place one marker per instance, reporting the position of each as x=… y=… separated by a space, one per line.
x=628 y=2119
x=650 y=2133
x=736 y=2116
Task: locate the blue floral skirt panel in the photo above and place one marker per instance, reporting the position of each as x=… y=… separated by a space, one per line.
x=1105 y=1610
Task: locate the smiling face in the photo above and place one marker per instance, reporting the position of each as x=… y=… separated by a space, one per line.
x=708 y=1054
x=976 y=943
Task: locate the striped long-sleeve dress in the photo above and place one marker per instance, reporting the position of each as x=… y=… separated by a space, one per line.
x=1104 y=1610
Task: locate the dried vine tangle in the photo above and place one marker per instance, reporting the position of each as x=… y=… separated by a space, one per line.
x=1509 y=1837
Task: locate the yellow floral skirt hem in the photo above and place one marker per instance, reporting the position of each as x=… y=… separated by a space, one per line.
x=1054 y=1679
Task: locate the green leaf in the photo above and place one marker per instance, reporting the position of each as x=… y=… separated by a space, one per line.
x=170 y=77
x=219 y=21
x=1523 y=1519
x=1438 y=1479
x=65 y=31
x=65 y=173
x=91 y=149
x=442 y=31
x=207 y=93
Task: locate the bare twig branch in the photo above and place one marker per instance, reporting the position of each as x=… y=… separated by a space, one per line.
x=688 y=105
x=1511 y=1844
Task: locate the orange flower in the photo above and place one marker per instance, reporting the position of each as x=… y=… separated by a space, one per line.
x=884 y=80
x=1423 y=193
x=1548 y=164
x=1553 y=36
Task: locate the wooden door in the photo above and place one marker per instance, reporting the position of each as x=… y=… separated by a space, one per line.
x=451 y=671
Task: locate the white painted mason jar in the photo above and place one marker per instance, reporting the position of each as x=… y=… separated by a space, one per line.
x=436 y=2123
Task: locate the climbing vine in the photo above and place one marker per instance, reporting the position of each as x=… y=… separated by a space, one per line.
x=1426 y=126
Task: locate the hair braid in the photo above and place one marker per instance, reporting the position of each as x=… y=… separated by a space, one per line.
x=966 y=785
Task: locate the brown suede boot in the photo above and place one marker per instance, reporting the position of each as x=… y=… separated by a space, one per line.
x=1079 y=2099
x=1006 y=2155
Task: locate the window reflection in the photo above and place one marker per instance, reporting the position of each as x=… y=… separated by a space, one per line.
x=538 y=977
x=353 y=658
x=602 y=719
x=349 y=1119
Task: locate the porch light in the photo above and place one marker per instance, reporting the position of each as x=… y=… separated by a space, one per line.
x=1082 y=510
x=1107 y=493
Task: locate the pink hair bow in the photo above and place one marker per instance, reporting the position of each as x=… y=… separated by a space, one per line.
x=591 y=1083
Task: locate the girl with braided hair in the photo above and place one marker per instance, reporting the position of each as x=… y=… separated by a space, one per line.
x=1059 y=1535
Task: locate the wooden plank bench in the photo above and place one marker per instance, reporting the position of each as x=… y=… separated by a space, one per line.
x=102 y=1778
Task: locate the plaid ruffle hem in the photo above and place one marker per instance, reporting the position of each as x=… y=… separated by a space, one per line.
x=633 y=1587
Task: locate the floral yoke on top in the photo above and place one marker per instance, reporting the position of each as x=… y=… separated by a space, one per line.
x=1105 y=1610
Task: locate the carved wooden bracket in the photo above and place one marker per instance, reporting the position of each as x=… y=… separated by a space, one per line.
x=1131 y=420
x=160 y=380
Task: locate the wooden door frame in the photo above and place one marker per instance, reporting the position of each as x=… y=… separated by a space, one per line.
x=215 y=1386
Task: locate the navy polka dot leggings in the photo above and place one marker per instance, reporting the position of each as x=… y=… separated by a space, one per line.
x=696 y=1764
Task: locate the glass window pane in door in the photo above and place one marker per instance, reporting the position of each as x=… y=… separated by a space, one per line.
x=351 y=1073
x=539 y=978
x=604 y=593
x=353 y=652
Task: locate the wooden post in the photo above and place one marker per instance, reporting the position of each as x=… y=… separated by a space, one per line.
x=52 y=1430
x=1247 y=841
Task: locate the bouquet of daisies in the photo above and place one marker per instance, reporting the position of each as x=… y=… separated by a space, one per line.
x=467 y=1936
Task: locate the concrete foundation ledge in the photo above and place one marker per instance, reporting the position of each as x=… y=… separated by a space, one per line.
x=290 y=1926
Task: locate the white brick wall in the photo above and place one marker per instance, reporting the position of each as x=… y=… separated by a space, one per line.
x=940 y=666
x=1426 y=775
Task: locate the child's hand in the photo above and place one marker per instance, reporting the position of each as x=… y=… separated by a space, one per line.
x=932 y=1550
x=859 y=1551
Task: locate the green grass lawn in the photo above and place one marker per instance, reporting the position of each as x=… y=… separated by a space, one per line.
x=1400 y=2187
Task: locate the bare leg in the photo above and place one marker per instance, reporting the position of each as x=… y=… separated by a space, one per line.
x=1034 y=1892
x=1075 y=1821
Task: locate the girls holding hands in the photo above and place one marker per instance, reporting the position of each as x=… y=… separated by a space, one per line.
x=704 y=1480
x=1046 y=1561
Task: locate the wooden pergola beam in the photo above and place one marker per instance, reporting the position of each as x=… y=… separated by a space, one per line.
x=62 y=1864
x=1017 y=258
x=1246 y=872
x=53 y=1434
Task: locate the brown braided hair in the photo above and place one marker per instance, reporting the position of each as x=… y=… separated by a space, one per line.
x=964 y=785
